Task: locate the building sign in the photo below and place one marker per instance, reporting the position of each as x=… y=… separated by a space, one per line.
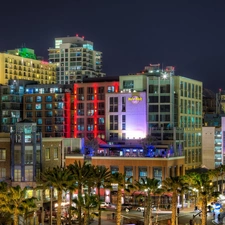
x=135 y=99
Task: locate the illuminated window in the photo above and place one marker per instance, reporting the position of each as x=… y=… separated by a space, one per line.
x=111 y=89
x=17 y=173
x=47 y=153
x=28 y=173
x=38 y=106
x=3 y=154
x=2 y=172
x=56 y=153
x=128 y=84
x=38 y=99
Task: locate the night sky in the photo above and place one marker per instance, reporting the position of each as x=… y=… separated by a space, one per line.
x=188 y=34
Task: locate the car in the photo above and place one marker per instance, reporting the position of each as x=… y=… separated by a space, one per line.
x=140 y=209
x=126 y=206
x=105 y=204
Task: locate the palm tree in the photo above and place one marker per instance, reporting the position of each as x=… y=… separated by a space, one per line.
x=150 y=187
x=88 y=204
x=123 y=184
x=60 y=179
x=14 y=201
x=215 y=173
x=101 y=174
x=82 y=173
x=206 y=190
x=175 y=185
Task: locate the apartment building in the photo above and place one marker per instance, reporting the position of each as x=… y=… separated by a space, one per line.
x=75 y=59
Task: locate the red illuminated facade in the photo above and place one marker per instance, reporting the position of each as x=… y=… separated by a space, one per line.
x=88 y=108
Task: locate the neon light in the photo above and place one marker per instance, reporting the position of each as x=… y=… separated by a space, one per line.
x=67 y=117
x=75 y=112
x=135 y=99
x=95 y=111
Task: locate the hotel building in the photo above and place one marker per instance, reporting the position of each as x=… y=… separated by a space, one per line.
x=23 y=64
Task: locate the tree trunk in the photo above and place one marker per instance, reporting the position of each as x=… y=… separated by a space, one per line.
x=204 y=210
x=149 y=208
x=99 y=208
x=174 y=209
x=59 y=209
x=85 y=218
x=69 y=210
x=118 y=211
x=79 y=210
x=15 y=219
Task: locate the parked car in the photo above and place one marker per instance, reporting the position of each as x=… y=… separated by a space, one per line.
x=107 y=205
x=140 y=209
x=126 y=206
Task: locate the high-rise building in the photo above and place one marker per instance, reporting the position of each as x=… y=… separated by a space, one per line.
x=75 y=59
x=174 y=110
x=23 y=64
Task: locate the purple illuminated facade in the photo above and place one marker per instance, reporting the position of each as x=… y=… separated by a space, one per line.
x=127 y=116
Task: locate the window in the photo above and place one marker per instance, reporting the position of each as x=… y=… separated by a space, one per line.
x=128 y=173
x=101 y=93
x=29 y=99
x=113 y=136
x=90 y=124
x=111 y=89
x=90 y=109
x=128 y=84
x=142 y=174
x=80 y=107
x=28 y=173
x=123 y=122
x=113 y=120
x=123 y=104
x=38 y=106
x=48 y=106
x=47 y=153
x=123 y=136
x=157 y=173
x=29 y=114
x=153 y=108
x=101 y=108
x=114 y=169
x=28 y=156
x=48 y=98
x=17 y=173
x=80 y=124
x=3 y=154
x=101 y=123
x=2 y=172
x=113 y=104
x=39 y=121
x=165 y=108
x=90 y=93
x=38 y=99
x=80 y=93
x=164 y=99
x=56 y=153
x=28 y=106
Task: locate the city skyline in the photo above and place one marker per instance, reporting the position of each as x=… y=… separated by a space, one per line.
x=131 y=35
